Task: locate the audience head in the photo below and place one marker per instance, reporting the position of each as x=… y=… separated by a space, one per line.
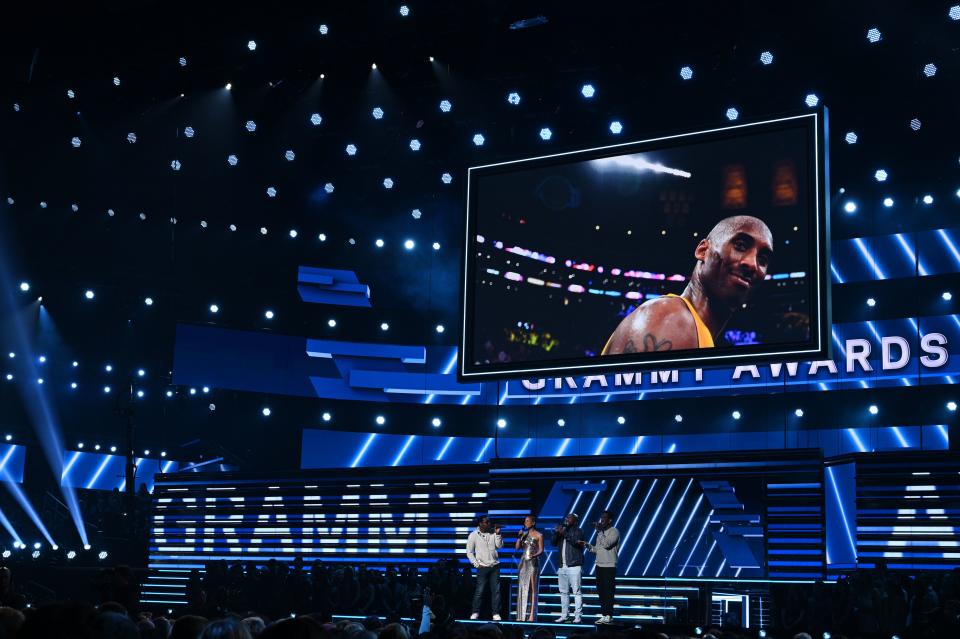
x=255 y=625
x=188 y=627
x=226 y=629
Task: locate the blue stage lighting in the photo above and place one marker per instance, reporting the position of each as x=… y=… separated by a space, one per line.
x=888 y=202
x=148 y=301
x=947 y=296
x=289 y=155
x=762 y=633
x=377 y=113
x=915 y=124
x=169 y=393
x=251 y=126
x=440 y=328
x=954 y=12
x=326 y=417
x=205 y=389
x=384 y=326
x=930 y=70
x=189 y=132
x=175 y=165
x=141 y=372
x=40 y=380
x=436 y=246
x=9 y=377
x=268 y=314
x=850 y=137
x=414 y=144
x=316 y=119
x=501 y=423
x=686 y=73
x=735 y=414
x=116 y=81
x=404 y=10
x=96 y=446
x=71 y=554
x=322 y=237
x=113 y=449
x=874 y=35
x=381 y=420
x=561 y=422
x=928 y=199
x=6 y=554
x=108 y=368
x=271 y=191
x=446 y=178
x=478 y=139
x=11 y=355
x=214 y=308
x=378 y=243
x=71 y=94
x=140 y=393
x=873 y=409
x=182 y=61
x=332 y=323
x=513 y=98
x=351 y=149
x=409 y=244
x=621 y=420
x=871 y=302
x=881 y=175
x=102 y=555
x=89 y=294
x=75 y=142
x=812 y=100
x=132 y=137
x=445 y=106
x=678 y=418
x=232 y=159
x=388 y=183
x=850 y=207
x=324 y=29
x=265 y=411
x=798 y=412
x=766 y=58
x=252 y=45
x=42 y=359
x=328 y=187
x=193 y=391
x=228 y=86
x=615 y=127
x=35 y=554
x=545 y=133
x=587 y=91
x=293 y=234
x=436 y=422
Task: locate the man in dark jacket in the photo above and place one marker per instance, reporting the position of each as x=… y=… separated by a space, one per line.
x=568 y=538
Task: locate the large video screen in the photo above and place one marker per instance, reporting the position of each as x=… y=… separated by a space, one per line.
x=691 y=250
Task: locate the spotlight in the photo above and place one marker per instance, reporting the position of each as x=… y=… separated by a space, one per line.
x=71 y=554
x=678 y=418
x=388 y=183
x=289 y=155
x=951 y=406
x=686 y=73
x=404 y=10
x=880 y=175
x=874 y=36
x=501 y=423
x=169 y=393
x=587 y=91
x=374 y=66
x=71 y=94
x=35 y=554
x=9 y=377
x=445 y=106
x=888 y=202
x=351 y=149
x=615 y=127
x=513 y=98
x=478 y=139
x=440 y=328
x=928 y=199
x=89 y=294
x=331 y=322
x=232 y=159
x=182 y=61
x=36 y=545
x=113 y=449
x=116 y=81
x=698 y=631
x=871 y=302
x=545 y=133
x=873 y=409
x=140 y=393
x=148 y=301
x=96 y=446
x=915 y=124
x=561 y=422
x=268 y=314
x=86 y=546
x=24 y=286
x=798 y=412
x=826 y=635
x=430 y=58
x=762 y=633
x=73 y=385
x=954 y=12
x=850 y=138
x=163 y=453
x=324 y=29
x=947 y=296
x=102 y=555
x=189 y=132
x=732 y=114
x=812 y=100
x=316 y=119
x=326 y=417
x=414 y=144
x=850 y=207
x=265 y=411
x=381 y=420
x=8 y=437
x=206 y=389
x=766 y=58
x=106 y=390
x=228 y=86
x=377 y=113
x=214 y=308
x=108 y=368
x=75 y=363
x=80 y=445
x=409 y=244
x=446 y=178
x=621 y=420
x=40 y=380
x=141 y=372
x=384 y=326
x=251 y=126
x=175 y=165
x=42 y=359
x=436 y=422
x=252 y=45
x=263 y=230
x=193 y=391
x=293 y=234
x=271 y=191
x=6 y=554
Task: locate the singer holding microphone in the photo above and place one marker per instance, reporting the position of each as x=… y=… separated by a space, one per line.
x=530 y=541
x=606 y=547
x=568 y=538
x=482 y=545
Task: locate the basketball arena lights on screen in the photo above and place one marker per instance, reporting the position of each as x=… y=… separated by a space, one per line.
x=798 y=190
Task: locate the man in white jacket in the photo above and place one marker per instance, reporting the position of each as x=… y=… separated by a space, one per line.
x=482 y=545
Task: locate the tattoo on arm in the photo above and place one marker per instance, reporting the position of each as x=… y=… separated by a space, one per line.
x=630 y=347
x=650 y=343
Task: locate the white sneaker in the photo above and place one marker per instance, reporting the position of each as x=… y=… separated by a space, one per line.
x=475 y=615
x=577 y=620
x=605 y=619
x=496 y=617
x=562 y=619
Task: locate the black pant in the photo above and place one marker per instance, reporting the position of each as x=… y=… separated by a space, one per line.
x=488 y=576
x=606 y=588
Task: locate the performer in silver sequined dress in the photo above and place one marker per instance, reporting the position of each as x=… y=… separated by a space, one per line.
x=528 y=572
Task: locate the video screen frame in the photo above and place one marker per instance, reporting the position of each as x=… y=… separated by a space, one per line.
x=816 y=347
